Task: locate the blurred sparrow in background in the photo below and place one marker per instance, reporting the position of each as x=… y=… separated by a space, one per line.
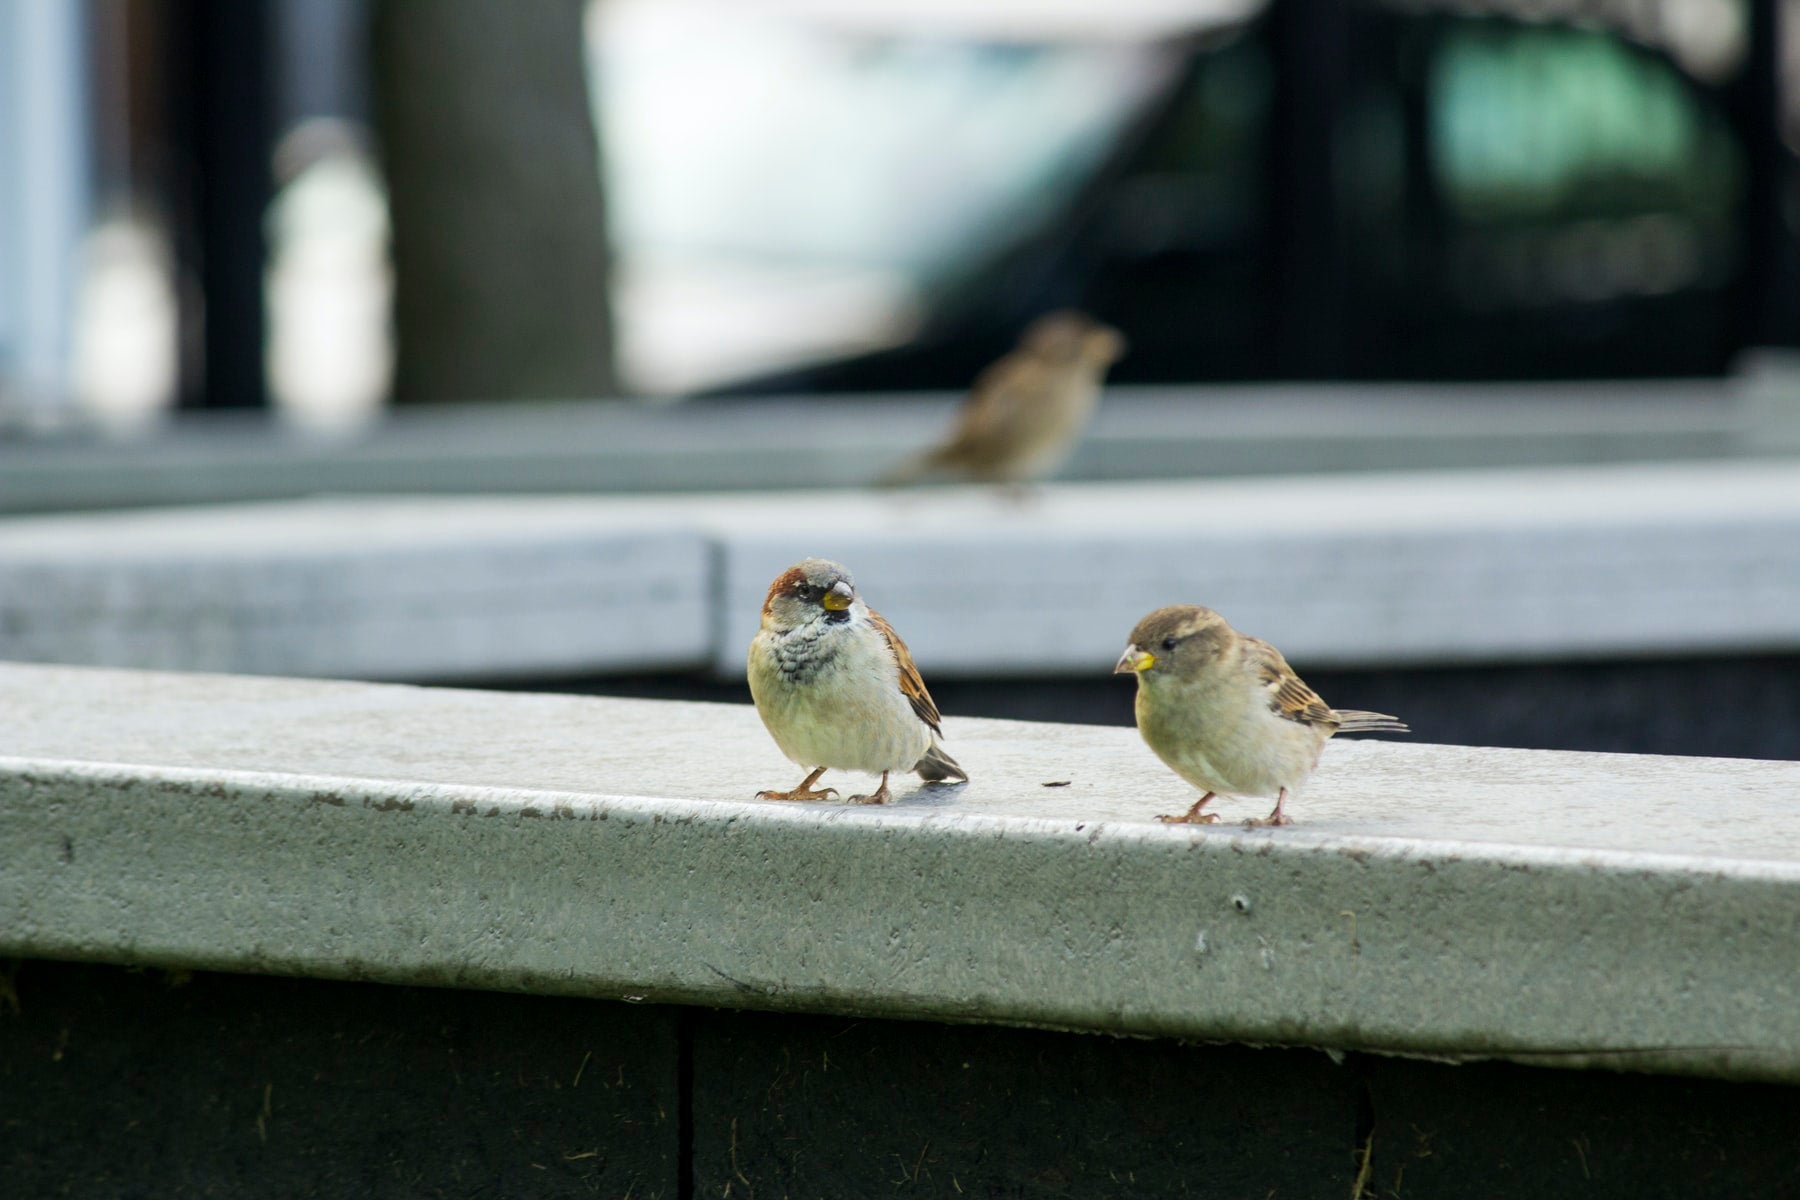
x=1227 y=713
x=1025 y=414
x=837 y=688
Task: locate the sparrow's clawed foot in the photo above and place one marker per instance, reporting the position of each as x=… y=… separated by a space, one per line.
x=804 y=792
x=1192 y=816
x=880 y=795
x=1275 y=818
x=800 y=794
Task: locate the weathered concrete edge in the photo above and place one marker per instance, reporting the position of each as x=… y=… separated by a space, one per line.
x=1648 y=962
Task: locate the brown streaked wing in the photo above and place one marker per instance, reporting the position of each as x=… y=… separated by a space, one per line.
x=1289 y=697
x=910 y=681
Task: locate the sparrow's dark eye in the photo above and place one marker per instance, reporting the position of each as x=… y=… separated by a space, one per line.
x=1169 y=643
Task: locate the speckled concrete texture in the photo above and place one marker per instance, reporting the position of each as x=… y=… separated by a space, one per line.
x=1562 y=908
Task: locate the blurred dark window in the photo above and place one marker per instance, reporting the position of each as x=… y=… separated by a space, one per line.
x=1374 y=191
x=1542 y=200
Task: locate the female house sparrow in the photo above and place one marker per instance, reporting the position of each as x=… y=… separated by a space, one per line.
x=1026 y=412
x=837 y=688
x=1226 y=712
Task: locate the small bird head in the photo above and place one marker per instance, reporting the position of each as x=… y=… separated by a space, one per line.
x=1175 y=642
x=1070 y=336
x=813 y=589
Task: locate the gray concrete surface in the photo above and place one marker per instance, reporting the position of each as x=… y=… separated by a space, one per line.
x=1427 y=567
x=397 y=588
x=1572 y=909
x=624 y=447
x=1415 y=567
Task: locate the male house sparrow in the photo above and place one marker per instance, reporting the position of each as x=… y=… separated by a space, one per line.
x=1227 y=713
x=837 y=688
x=1027 y=411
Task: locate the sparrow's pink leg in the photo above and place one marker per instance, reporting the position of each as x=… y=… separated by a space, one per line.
x=1193 y=816
x=881 y=794
x=1277 y=817
x=803 y=792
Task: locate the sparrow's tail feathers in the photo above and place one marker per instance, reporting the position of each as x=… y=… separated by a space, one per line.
x=937 y=766
x=1355 y=721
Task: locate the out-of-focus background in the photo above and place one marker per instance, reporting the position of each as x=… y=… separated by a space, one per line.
x=213 y=204
x=258 y=250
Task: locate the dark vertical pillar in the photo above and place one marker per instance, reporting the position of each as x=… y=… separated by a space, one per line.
x=221 y=95
x=1307 y=272
x=321 y=55
x=1767 y=304
x=1422 y=241
x=501 y=258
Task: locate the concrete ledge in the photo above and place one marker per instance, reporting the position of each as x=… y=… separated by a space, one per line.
x=388 y=589
x=1560 y=908
x=1430 y=567
x=619 y=446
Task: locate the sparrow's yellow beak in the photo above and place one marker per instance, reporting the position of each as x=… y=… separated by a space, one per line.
x=840 y=597
x=1134 y=660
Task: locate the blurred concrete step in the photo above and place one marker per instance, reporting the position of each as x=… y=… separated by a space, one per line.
x=1373 y=569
